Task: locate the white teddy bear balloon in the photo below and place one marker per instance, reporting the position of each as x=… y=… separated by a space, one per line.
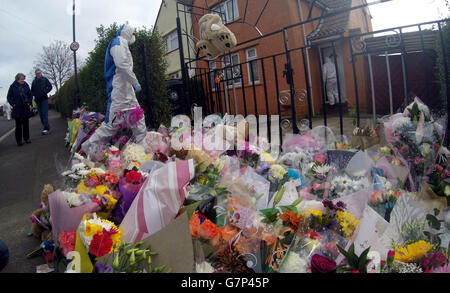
x=216 y=38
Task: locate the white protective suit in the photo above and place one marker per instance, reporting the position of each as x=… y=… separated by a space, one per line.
x=121 y=84
x=330 y=80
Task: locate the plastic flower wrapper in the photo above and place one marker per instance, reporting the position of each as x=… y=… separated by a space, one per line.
x=90 y=121
x=306 y=142
x=113 y=161
x=416 y=139
x=63 y=217
x=439 y=181
x=295 y=160
x=316 y=176
x=128 y=186
x=155 y=142
x=163 y=193
x=205 y=183
x=383 y=201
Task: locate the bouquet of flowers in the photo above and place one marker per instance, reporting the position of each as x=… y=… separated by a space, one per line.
x=99 y=236
x=364 y=138
x=416 y=139
x=317 y=174
x=439 y=181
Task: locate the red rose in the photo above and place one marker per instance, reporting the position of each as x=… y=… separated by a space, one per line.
x=133 y=177
x=322 y=265
x=101 y=244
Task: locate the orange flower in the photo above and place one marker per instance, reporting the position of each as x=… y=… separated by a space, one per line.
x=227 y=233
x=291 y=218
x=194 y=224
x=208 y=230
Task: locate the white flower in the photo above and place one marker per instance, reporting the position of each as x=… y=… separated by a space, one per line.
x=78 y=156
x=401 y=123
x=294 y=264
x=306 y=205
x=426 y=149
x=443 y=154
x=322 y=169
x=135 y=152
x=73 y=199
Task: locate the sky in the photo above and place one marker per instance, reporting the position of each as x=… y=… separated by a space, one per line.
x=28 y=25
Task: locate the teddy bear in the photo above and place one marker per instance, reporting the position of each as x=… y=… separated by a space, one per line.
x=215 y=37
x=40 y=218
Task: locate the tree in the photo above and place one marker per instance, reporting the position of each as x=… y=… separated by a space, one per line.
x=56 y=63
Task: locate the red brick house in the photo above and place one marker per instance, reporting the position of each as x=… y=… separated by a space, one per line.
x=266 y=57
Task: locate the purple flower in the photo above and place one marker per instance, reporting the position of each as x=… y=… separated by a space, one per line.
x=102 y=269
x=433 y=260
x=264 y=168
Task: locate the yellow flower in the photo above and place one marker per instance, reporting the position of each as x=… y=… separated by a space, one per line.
x=82 y=188
x=278 y=171
x=100 y=189
x=136 y=164
x=413 y=252
x=315 y=213
x=267 y=158
x=348 y=223
x=92 y=229
x=111 y=202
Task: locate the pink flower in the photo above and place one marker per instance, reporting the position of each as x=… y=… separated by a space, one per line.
x=441 y=270
x=418 y=161
x=391 y=254
x=320 y=158
x=438 y=168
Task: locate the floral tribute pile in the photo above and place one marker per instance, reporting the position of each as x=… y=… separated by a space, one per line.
x=320 y=206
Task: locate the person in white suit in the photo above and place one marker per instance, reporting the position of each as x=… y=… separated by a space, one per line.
x=121 y=85
x=330 y=80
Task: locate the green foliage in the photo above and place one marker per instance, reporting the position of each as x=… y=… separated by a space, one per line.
x=354 y=262
x=153 y=98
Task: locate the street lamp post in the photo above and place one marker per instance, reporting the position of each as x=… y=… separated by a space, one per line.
x=74 y=48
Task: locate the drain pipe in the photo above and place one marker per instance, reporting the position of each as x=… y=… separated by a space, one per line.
x=307 y=54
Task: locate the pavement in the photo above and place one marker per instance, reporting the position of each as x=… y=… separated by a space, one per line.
x=23 y=172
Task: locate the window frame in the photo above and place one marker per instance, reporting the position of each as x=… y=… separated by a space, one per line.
x=249 y=63
x=223 y=8
x=171 y=37
x=238 y=80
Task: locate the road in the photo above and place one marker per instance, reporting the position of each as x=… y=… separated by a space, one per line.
x=23 y=173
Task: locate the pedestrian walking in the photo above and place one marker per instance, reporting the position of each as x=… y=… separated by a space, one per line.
x=40 y=88
x=20 y=98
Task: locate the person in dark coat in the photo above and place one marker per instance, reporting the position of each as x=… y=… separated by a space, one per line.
x=4 y=255
x=20 y=99
x=40 y=89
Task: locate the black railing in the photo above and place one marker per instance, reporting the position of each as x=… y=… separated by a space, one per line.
x=232 y=88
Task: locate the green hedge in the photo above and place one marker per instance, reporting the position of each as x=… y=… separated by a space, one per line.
x=153 y=98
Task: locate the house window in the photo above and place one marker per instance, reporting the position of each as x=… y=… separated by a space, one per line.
x=252 y=65
x=172 y=41
x=228 y=10
x=233 y=74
